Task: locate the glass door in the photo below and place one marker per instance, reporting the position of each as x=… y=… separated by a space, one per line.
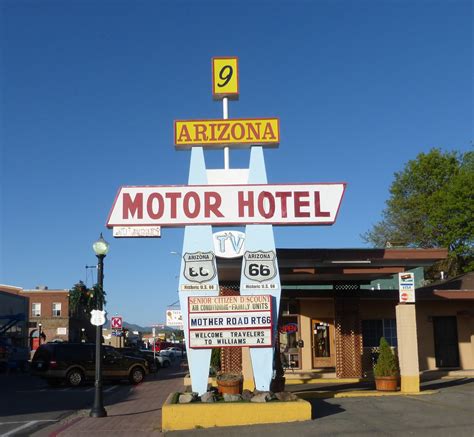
x=323 y=343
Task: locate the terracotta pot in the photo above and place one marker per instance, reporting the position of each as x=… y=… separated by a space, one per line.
x=386 y=383
x=230 y=386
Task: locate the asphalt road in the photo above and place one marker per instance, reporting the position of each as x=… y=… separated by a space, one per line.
x=28 y=403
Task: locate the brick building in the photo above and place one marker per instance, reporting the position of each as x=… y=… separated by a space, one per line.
x=51 y=318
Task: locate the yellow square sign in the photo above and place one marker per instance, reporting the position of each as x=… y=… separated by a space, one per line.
x=225 y=78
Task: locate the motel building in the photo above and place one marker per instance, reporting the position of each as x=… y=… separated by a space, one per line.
x=337 y=303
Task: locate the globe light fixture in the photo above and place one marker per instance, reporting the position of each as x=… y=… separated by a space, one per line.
x=101 y=247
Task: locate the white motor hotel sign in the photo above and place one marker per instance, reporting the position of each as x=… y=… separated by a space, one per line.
x=292 y=204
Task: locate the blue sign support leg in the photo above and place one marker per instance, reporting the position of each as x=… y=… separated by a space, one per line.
x=196 y=239
x=259 y=238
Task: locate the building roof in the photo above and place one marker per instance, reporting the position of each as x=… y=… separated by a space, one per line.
x=459 y=287
x=326 y=266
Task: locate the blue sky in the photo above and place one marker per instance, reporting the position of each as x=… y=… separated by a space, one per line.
x=89 y=91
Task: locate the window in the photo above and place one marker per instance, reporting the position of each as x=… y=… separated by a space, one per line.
x=372 y=330
x=56 y=309
x=36 y=310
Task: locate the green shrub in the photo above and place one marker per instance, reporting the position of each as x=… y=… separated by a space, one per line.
x=387 y=362
x=215 y=360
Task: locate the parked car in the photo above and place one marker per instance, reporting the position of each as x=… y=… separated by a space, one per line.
x=74 y=363
x=134 y=352
x=161 y=360
x=172 y=352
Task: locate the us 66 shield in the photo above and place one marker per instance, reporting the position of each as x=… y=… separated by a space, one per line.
x=260 y=266
x=199 y=270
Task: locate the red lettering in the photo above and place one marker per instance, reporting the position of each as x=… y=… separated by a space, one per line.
x=249 y=204
x=268 y=131
x=149 y=206
x=133 y=207
x=191 y=195
x=299 y=203
x=255 y=132
x=200 y=131
x=317 y=206
x=234 y=131
x=184 y=133
x=283 y=196
x=173 y=197
x=265 y=195
x=212 y=202
x=213 y=132
x=225 y=128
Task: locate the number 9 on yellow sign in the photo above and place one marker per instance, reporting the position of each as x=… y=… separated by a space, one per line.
x=225 y=78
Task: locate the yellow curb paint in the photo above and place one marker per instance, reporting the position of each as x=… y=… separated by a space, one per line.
x=410 y=384
x=361 y=394
x=294 y=381
x=198 y=415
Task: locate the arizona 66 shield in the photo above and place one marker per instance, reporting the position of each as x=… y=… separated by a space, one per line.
x=260 y=265
x=199 y=266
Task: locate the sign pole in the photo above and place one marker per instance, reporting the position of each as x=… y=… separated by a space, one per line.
x=225 y=116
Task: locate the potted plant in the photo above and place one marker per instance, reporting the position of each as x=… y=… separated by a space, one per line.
x=229 y=382
x=386 y=370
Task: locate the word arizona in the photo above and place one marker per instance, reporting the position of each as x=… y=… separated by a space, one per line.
x=255 y=131
x=227 y=204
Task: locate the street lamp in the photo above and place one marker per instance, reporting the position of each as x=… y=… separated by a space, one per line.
x=101 y=247
x=40 y=332
x=83 y=335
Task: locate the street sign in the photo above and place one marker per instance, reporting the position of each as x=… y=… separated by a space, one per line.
x=116 y=322
x=98 y=317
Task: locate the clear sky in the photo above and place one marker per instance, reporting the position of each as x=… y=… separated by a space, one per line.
x=89 y=91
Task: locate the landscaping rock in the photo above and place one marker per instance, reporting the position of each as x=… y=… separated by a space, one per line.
x=286 y=396
x=264 y=396
x=247 y=395
x=187 y=398
x=232 y=398
x=208 y=397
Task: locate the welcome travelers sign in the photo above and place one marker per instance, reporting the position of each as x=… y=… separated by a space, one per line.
x=226 y=197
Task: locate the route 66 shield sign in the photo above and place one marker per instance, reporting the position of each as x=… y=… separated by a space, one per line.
x=97 y=317
x=260 y=265
x=199 y=266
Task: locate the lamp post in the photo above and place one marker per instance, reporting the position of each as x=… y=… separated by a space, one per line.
x=83 y=336
x=101 y=247
x=40 y=332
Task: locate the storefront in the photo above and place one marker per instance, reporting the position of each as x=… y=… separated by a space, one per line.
x=337 y=303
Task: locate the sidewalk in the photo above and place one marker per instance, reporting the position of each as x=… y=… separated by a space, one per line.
x=139 y=414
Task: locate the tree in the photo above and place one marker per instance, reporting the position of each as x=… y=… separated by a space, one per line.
x=83 y=299
x=431 y=204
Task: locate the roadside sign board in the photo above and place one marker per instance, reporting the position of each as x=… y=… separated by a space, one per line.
x=174 y=318
x=221 y=205
x=235 y=132
x=116 y=322
x=229 y=321
x=406 y=285
x=225 y=78
x=136 y=232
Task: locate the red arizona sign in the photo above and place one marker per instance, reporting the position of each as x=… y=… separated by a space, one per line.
x=301 y=204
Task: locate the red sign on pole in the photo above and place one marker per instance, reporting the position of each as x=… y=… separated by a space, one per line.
x=116 y=322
